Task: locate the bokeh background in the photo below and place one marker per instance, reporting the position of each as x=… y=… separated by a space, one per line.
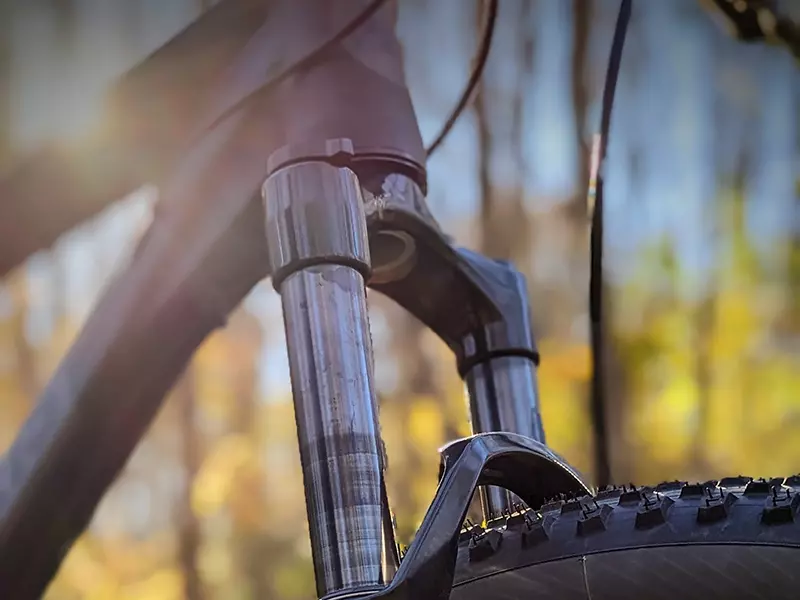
x=703 y=257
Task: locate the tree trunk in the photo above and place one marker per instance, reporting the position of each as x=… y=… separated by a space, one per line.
x=704 y=331
x=189 y=536
x=416 y=379
x=581 y=14
x=254 y=549
x=504 y=223
x=490 y=244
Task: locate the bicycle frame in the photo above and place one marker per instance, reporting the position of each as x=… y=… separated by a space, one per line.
x=338 y=189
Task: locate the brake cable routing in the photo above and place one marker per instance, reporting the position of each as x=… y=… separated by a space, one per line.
x=595 y=206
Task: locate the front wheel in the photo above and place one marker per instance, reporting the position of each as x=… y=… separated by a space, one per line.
x=733 y=539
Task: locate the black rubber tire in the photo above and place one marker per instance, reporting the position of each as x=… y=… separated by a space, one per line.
x=732 y=539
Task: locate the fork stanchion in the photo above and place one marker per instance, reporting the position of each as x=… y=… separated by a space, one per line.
x=320 y=255
x=503 y=395
x=501 y=374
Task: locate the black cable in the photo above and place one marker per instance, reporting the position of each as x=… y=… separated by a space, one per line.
x=478 y=66
x=301 y=64
x=602 y=461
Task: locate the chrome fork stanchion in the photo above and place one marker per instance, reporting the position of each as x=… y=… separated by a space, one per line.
x=503 y=397
x=319 y=252
x=502 y=383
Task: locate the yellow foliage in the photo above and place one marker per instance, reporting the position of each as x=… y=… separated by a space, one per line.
x=292 y=581
x=164 y=584
x=130 y=560
x=724 y=435
x=668 y=419
x=561 y=403
x=735 y=325
x=215 y=562
x=564 y=371
x=214 y=481
x=216 y=399
x=425 y=423
x=246 y=501
x=570 y=362
x=423 y=488
x=84 y=574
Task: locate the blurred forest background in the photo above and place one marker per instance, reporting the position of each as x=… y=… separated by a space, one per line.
x=703 y=253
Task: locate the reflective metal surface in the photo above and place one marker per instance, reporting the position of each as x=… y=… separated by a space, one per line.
x=315 y=214
x=330 y=360
x=504 y=396
x=319 y=255
x=528 y=468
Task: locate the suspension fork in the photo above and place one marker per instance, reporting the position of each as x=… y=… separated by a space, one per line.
x=319 y=250
x=477 y=305
x=501 y=377
x=349 y=115
x=324 y=223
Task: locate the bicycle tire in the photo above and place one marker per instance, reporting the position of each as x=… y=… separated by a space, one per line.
x=735 y=538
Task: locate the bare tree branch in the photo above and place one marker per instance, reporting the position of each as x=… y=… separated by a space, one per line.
x=484 y=152
x=581 y=13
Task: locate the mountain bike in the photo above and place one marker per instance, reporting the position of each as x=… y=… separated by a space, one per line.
x=327 y=201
